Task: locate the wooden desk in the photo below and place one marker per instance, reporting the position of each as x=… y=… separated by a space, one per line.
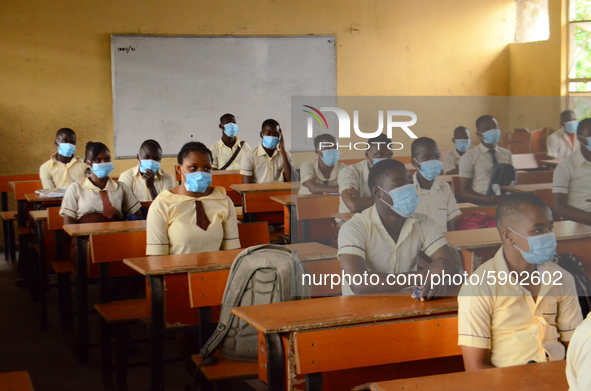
x=308 y=337
x=15 y=381
x=552 y=163
x=531 y=188
x=544 y=376
x=289 y=209
x=167 y=277
x=256 y=197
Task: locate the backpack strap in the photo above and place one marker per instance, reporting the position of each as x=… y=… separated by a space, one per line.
x=236 y=152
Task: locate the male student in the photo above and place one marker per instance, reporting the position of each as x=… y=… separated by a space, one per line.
x=355 y=194
x=228 y=151
x=505 y=321
x=563 y=142
x=269 y=161
x=477 y=163
x=571 y=187
x=578 y=358
x=437 y=200
x=63 y=167
x=388 y=237
x=147 y=180
x=462 y=143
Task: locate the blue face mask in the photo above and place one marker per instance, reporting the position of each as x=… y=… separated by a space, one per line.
x=148 y=164
x=330 y=156
x=102 y=170
x=231 y=129
x=66 y=149
x=197 y=182
x=430 y=169
x=588 y=145
x=541 y=248
x=491 y=136
x=270 y=142
x=571 y=126
x=376 y=160
x=462 y=145
x=405 y=199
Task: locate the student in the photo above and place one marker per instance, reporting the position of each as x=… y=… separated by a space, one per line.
x=562 y=143
x=578 y=358
x=477 y=163
x=194 y=216
x=462 y=143
x=229 y=150
x=388 y=237
x=525 y=318
x=321 y=174
x=98 y=198
x=571 y=187
x=437 y=200
x=147 y=180
x=355 y=193
x=63 y=168
x=269 y=161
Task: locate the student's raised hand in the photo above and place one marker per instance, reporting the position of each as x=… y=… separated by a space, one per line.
x=281 y=140
x=149 y=177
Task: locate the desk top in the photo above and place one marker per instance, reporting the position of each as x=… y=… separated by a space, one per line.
x=535 y=377
x=113 y=227
x=464 y=205
x=291 y=198
x=489 y=237
x=39 y=214
x=264 y=187
x=337 y=311
x=15 y=381
x=34 y=197
x=225 y=172
x=550 y=162
x=530 y=188
x=215 y=260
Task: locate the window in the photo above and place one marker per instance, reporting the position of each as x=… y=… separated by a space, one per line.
x=579 y=53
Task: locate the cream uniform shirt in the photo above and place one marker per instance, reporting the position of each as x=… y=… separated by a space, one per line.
x=133 y=179
x=364 y=235
x=559 y=145
x=451 y=160
x=55 y=174
x=506 y=319
x=261 y=167
x=578 y=358
x=84 y=198
x=310 y=170
x=172 y=224
x=354 y=177
x=572 y=176
x=477 y=164
x=439 y=202
x=222 y=153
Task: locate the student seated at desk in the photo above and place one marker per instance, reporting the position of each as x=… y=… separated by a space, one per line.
x=270 y=161
x=571 y=185
x=527 y=318
x=477 y=163
x=462 y=143
x=578 y=358
x=228 y=151
x=193 y=217
x=437 y=200
x=389 y=237
x=147 y=180
x=98 y=198
x=321 y=174
x=63 y=168
x=562 y=143
x=355 y=193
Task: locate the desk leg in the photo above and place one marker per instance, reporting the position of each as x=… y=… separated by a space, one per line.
x=205 y=323
x=314 y=382
x=249 y=217
x=157 y=340
x=41 y=276
x=275 y=363
x=82 y=339
x=4 y=201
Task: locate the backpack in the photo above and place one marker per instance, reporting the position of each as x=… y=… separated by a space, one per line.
x=502 y=174
x=573 y=265
x=259 y=275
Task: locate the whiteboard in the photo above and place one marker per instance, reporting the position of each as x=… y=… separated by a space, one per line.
x=174 y=89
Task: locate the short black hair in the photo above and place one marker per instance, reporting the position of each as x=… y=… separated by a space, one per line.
x=192 y=146
x=565 y=113
x=65 y=131
x=583 y=124
x=270 y=122
x=511 y=207
x=151 y=144
x=460 y=129
x=382 y=138
x=425 y=141
x=324 y=137
x=483 y=118
x=377 y=171
x=227 y=116
x=93 y=149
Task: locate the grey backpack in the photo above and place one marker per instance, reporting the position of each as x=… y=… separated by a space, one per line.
x=259 y=275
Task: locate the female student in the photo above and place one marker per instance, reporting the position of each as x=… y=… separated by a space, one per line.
x=321 y=175
x=98 y=198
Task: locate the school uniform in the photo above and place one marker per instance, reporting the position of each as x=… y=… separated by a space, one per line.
x=477 y=163
x=222 y=154
x=173 y=228
x=310 y=170
x=55 y=174
x=365 y=235
x=572 y=176
x=85 y=199
x=506 y=319
x=133 y=179
x=578 y=358
x=261 y=167
x=451 y=160
x=559 y=144
x=354 y=177
x=439 y=202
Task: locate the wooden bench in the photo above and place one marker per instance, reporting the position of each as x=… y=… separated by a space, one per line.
x=550 y=163
x=16 y=381
x=252 y=234
x=8 y=220
x=5 y=187
x=315 y=213
x=532 y=177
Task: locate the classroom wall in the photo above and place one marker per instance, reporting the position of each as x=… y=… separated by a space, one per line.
x=55 y=58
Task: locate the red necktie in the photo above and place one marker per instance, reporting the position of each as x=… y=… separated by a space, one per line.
x=202 y=220
x=108 y=210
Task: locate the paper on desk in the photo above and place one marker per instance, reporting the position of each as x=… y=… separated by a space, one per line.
x=51 y=193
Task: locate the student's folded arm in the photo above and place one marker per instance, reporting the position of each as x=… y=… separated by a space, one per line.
x=45 y=176
x=452 y=172
x=317 y=188
x=157 y=239
x=470 y=195
x=69 y=220
x=231 y=238
x=355 y=265
x=476 y=358
x=247 y=179
x=355 y=203
x=567 y=212
x=444 y=261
